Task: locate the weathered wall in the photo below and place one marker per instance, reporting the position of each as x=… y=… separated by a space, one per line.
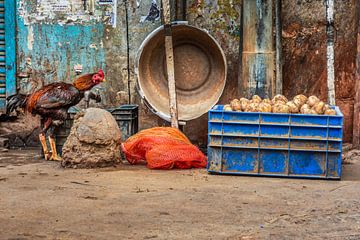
x=222 y=20
x=304 y=52
x=50 y=43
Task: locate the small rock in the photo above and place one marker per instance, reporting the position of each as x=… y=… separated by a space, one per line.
x=351 y=156
x=347 y=147
x=94 y=141
x=3 y=149
x=4 y=142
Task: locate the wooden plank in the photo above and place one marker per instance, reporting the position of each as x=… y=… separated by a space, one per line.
x=356 y=123
x=170 y=64
x=10 y=47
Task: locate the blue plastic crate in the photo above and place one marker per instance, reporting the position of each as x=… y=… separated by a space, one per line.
x=271 y=144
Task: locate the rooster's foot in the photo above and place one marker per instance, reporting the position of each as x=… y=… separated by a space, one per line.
x=55 y=158
x=47 y=156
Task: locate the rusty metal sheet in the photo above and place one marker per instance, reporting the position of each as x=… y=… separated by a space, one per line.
x=200 y=71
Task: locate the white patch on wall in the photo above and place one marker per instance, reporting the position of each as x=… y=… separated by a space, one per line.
x=66 y=11
x=30 y=38
x=50 y=6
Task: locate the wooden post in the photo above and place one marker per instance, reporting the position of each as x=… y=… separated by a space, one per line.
x=278 y=31
x=330 y=51
x=170 y=64
x=356 y=123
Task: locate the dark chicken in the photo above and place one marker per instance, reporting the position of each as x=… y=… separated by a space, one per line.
x=52 y=102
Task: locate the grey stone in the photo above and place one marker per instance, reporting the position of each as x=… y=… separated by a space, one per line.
x=94 y=140
x=4 y=142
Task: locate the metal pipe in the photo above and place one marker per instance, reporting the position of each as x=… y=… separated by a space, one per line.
x=258 y=55
x=128 y=51
x=330 y=51
x=278 y=32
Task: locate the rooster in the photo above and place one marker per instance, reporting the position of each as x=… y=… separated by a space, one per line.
x=52 y=102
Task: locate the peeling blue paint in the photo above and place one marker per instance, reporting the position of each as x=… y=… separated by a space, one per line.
x=8 y=85
x=56 y=49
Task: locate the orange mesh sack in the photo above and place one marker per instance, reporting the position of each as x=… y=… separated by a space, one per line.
x=137 y=145
x=182 y=156
x=159 y=131
x=163 y=148
x=136 y=150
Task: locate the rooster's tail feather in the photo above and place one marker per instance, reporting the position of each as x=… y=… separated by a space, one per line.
x=15 y=101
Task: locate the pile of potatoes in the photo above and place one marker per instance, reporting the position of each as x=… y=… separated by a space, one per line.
x=280 y=104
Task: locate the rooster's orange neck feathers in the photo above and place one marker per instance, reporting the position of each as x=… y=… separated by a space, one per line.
x=84 y=83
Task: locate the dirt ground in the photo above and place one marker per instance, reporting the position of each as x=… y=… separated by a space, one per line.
x=41 y=200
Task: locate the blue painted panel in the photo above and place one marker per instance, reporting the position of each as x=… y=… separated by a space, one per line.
x=273 y=143
x=56 y=48
x=215 y=128
x=246 y=142
x=307 y=163
x=273 y=161
x=273 y=130
x=10 y=29
x=241 y=129
x=309 y=120
x=274 y=118
x=10 y=52
x=239 y=160
x=309 y=132
x=244 y=117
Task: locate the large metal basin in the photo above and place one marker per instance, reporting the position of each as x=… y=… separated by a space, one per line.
x=200 y=72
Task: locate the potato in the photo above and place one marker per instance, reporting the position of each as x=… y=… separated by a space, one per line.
x=252 y=107
x=326 y=107
x=280 y=108
x=319 y=107
x=330 y=112
x=305 y=109
x=227 y=107
x=235 y=105
x=312 y=101
x=278 y=102
x=280 y=97
x=256 y=99
x=312 y=111
x=266 y=100
x=244 y=102
x=300 y=100
x=265 y=107
x=293 y=107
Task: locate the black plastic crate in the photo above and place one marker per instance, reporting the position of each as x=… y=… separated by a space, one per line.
x=126 y=117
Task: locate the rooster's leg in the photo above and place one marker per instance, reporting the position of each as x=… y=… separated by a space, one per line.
x=42 y=137
x=54 y=155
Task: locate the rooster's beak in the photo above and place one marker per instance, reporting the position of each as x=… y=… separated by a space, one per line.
x=104 y=80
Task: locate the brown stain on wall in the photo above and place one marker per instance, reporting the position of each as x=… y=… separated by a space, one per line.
x=304 y=53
